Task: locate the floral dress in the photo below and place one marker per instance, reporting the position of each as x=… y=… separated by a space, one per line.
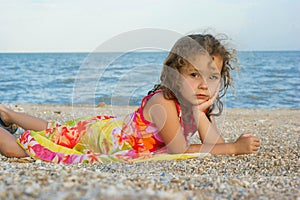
x=100 y=139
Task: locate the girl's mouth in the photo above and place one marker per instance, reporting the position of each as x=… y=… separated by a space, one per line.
x=201 y=96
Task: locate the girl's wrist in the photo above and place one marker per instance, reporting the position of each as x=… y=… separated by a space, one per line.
x=198 y=114
x=232 y=148
x=197 y=110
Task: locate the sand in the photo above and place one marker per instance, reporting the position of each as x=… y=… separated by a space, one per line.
x=271 y=174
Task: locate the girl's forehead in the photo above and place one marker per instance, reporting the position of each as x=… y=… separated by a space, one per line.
x=203 y=63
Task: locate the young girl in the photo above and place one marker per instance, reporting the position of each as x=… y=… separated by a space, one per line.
x=195 y=75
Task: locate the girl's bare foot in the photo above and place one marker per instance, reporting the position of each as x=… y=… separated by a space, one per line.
x=4 y=116
x=5 y=120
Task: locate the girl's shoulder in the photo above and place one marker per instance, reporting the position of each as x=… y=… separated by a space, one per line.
x=159 y=103
x=159 y=99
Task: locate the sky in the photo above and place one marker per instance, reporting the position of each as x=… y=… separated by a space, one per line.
x=83 y=25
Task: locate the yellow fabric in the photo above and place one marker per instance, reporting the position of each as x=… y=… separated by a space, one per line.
x=52 y=146
x=158 y=157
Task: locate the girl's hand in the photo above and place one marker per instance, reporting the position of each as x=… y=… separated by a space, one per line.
x=205 y=105
x=246 y=144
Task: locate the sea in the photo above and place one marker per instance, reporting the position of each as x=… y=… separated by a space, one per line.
x=265 y=79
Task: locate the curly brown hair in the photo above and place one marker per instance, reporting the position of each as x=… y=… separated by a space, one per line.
x=179 y=56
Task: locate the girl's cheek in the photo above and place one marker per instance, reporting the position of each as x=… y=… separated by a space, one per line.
x=212 y=86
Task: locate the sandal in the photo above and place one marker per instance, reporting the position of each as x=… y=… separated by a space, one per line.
x=11 y=128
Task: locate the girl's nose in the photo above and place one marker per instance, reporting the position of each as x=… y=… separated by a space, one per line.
x=202 y=83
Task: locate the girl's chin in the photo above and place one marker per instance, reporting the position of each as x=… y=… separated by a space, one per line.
x=200 y=101
x=193 y=102
x=197 y=102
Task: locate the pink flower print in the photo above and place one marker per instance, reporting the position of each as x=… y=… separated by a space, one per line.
x=43 y=153
x=24 y=137
x=93 y=157
x=117 y=138
x=71 y=159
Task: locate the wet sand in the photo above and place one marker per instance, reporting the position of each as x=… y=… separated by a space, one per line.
x=271 y=174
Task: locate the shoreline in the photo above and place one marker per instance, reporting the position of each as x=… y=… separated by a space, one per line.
x=271 y=174
x=108 y=105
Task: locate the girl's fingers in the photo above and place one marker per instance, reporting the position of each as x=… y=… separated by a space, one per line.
x=255 y=149
x=247 y=135
x=205 y=105
x=257 y=141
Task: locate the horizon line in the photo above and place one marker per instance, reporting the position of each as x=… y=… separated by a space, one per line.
x=37 y=52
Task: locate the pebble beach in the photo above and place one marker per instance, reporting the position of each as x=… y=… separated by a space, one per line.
x=273 y=173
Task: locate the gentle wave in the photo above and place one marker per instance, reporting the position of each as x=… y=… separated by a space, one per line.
x=266 y=79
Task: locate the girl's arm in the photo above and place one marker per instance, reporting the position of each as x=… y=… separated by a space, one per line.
x=207 y=130
x=212 y=140
x=245 y=144
x=163 y=113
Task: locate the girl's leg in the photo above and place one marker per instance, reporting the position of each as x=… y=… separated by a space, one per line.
x=23 y=120
x=8 y=145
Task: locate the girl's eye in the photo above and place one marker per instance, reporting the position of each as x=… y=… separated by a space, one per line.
x=214 y=77
x=195 y=75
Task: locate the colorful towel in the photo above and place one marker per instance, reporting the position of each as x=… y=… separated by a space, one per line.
x=97 y=139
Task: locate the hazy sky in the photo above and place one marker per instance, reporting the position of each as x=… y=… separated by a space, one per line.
x=82 y=25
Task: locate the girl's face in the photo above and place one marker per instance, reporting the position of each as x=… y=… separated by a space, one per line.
x=201 y=79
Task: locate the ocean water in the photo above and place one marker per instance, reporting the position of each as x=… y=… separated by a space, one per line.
x=266 y=79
